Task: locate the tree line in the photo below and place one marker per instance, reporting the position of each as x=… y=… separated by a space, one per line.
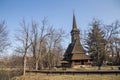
x=40 y=46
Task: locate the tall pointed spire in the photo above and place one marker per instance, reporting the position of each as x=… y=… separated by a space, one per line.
x=75 y=31
x=74 y=22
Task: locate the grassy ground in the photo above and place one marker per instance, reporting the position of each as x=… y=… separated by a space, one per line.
x=39 y=76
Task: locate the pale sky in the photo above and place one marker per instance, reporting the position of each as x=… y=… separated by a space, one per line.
x=58 y=12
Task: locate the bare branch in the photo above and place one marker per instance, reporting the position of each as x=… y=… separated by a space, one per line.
x=3 y=37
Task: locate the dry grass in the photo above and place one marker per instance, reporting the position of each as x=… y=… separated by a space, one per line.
x=39 y=76
x=7 y=74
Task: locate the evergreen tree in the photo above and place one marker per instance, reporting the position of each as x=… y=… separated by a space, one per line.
x=96 y=43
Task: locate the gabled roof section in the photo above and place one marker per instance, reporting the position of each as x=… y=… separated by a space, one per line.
x=77 y=48
x=67 y=54
x=69 y=50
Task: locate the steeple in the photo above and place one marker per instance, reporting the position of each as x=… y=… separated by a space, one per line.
x=74 y=32
x=74 y=23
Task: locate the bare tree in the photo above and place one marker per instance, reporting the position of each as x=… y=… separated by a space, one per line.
x=54 y=46
x=113 y=41
x=3 y=36
x=34 y=40
x=38 y=39
x=24 y=42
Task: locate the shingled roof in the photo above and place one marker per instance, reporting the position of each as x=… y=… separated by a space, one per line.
x=77 y=48
x=75 y=52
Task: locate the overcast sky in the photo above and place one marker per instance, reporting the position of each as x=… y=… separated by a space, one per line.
x=59 y=12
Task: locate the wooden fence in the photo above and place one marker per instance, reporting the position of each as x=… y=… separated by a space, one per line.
x=99 y=72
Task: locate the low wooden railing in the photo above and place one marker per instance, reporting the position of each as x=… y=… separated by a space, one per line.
x=62 y=72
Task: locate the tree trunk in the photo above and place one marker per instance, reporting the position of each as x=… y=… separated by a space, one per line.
x=41 y=65
x=24 y=64
x=36 y=65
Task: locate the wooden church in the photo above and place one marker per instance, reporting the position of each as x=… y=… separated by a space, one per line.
x=75 y=53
